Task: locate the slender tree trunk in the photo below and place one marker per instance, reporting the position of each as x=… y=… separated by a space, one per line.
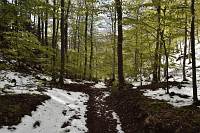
x=189 y=51
x=86 y=37
x=76 y=32
x=39 y=29
x=66 y=30
x=141 y=69
x=96 y=61
x=78 y=49
x=114 y=23
x=16 y=14
x=54 y=43
x=156 y=60
x=159 y=61
x=166 y=52
x=136 y=52
x=119 y=44
x=34 y=21
x=43 y=41
x=46 y=25
x=167 y=59
x=185 y=47
x=91 y=43
x=57 y=30
x=62 y=29
x=195 y=98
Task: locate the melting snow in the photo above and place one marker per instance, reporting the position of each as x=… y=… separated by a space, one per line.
x=63 y=107
x=116 y=117
x=69 y=81
x=175 y=100
x=14 y=82
x=100 y=85
x=42 y=76
x=176 y=73
x=12 y=78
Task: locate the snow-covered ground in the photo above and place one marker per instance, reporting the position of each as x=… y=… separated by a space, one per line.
x=64 y=112
x=14 y=82
x=176 y=73
x=69 y=81
x=118 y=127
x=65 y=109
x=100 y=85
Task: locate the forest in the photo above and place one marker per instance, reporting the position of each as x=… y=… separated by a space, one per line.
x=99 y=66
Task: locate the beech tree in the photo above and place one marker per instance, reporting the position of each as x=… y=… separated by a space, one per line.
x=192 y=34
x=92 y=43
x=54 y=42
x=119 y=43
x=62 y=29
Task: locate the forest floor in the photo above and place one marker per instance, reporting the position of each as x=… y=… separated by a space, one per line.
x=31 y=104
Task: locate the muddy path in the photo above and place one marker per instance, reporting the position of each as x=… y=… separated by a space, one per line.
x=99 y=111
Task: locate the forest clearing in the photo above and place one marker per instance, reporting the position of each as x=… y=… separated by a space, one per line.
x=99 y=66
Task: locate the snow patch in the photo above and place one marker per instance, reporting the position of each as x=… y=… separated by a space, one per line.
x=116 y=117
x=100 y=85
x=42 y=76
x=69 y=81
x=176 y=74
x=175 y=100
x=66 y=108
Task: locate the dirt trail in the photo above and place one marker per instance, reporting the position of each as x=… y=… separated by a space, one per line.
x=99 y=114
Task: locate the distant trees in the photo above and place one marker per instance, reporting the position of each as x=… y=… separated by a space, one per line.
x=154 y=32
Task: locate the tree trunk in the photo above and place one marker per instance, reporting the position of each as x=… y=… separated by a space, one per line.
x=46 y=24
x=141 y=61
x=195 y=98
x=91 y=43
x=114 y=22
x=136 y=52
x=119 y=44
x=57 y=28
x=62 y=23
x=185 y=47
x=54 y=42
x=167 y=59
x=78 y=49
x=86 y=37
x=66 y=30
x=43 y=41
x=156 y=60
x=39 y=29
x=189 y=51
